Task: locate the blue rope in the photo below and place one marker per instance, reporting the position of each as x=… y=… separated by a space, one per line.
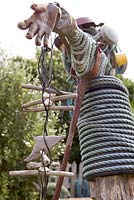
x=106 y=129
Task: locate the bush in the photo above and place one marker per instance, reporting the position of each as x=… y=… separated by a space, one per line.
x=51 y=189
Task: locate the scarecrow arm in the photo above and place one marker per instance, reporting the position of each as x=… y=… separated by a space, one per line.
x=46 y=19
x=36 y=24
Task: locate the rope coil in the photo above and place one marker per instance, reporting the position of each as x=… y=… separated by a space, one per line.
x=106 y=129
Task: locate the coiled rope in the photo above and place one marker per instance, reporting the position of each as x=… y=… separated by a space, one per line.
x=106 y=129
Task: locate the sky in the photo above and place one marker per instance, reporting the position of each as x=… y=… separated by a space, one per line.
x=116 y=13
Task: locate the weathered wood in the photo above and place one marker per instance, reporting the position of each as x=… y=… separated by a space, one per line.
x=52 y=98
x=49 y=90
x=34 y=165
x=33 y=103
x=60 y=108
x=36 y=172
x=116 y=187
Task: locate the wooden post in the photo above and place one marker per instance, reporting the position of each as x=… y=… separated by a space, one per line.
x=116 y=187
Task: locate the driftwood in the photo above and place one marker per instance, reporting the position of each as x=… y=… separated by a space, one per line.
x=49 y=90
x=41 y=170
x=52 y=98
x=27 y=107
x=60 y=108
x=34 y=165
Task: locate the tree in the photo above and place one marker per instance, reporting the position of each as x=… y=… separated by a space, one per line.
x=130 y=86
x=18 y=128
x=15 y=127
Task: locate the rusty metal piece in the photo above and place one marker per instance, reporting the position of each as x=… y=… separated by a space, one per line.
x=81 y=91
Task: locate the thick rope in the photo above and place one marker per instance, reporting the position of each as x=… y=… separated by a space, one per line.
x=83 y=54
x=106 y=129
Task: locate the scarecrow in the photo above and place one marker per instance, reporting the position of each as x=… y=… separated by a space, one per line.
x=102 y=110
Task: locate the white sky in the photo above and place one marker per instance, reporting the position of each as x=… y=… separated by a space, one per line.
x=119 y=14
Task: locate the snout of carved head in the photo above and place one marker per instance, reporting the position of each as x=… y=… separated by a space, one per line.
x=46 y=19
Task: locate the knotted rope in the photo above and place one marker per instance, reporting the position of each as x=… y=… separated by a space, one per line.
x=83 y=54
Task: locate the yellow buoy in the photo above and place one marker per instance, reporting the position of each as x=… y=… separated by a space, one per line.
x=121 y=59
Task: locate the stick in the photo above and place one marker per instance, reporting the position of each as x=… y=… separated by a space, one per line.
x=81 y=91
x=36 y=172
x=64 y=108
x=49 y=90
x=53 y=99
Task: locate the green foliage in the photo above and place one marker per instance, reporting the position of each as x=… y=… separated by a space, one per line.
x=14 y=127
x=51 y=189
x=29 y=66
x=130 y=86
x=18 y=128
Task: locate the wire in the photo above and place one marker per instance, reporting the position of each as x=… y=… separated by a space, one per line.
x=45 y=77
